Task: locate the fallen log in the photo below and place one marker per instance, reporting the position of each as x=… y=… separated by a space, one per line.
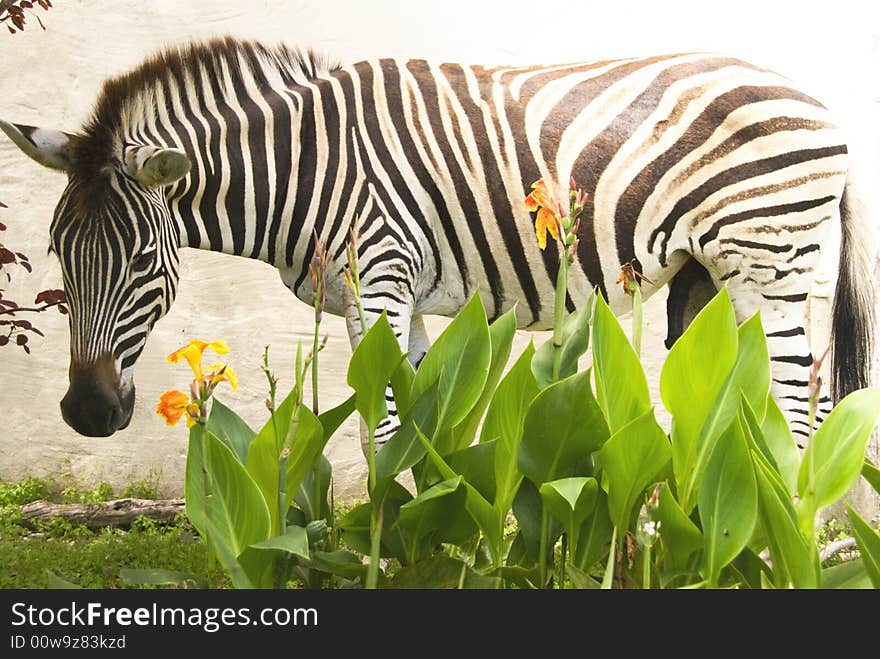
x=119 y=512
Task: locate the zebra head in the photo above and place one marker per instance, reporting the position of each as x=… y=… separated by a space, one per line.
x=118 y=247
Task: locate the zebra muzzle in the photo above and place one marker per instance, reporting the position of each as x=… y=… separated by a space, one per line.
x=95 y=404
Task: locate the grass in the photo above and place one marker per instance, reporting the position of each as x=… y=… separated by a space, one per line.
x=94 y=559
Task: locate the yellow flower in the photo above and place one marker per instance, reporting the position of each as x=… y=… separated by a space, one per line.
x=172 y=405
x=193 y=351
x=548 y=220
x=218 y=373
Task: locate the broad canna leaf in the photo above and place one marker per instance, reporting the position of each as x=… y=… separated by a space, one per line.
x=306 y=441
x=833 y=460
x=871 y=474
x=679 y=535
x=458 y=364
x=869 y=545
x=632 y=459
x=621 y=387
x=372 y=364
x=501 y=334
x=504 y=425
x=563 y=426
x=728 y=500
x=230 y=429
x=693 y=375
x=571 y=501
x=575 y=341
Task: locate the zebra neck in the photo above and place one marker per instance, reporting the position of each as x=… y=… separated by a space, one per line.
x=267 y=174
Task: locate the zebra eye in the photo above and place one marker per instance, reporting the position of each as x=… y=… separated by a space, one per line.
x=142 y=261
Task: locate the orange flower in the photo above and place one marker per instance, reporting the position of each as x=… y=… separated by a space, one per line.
x=548 y=220
x=172 y=405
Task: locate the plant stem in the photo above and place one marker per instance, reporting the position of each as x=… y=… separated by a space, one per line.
x=608 y=577
x=646 y=568
x=545 y=540
x=560 y=572
x=559 y=311
x=375 y=548
x=637 y=319
x=315 y=368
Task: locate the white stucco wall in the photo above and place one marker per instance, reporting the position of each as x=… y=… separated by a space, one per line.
x=51 y=78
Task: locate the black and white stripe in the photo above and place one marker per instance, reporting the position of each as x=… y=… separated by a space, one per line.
x=703 y=170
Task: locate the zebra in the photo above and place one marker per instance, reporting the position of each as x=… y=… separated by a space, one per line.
x=702 y=170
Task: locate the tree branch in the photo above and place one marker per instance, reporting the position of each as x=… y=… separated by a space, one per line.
x=35 y=309
x=121 y=512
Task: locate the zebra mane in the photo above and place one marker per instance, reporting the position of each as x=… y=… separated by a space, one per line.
x=224 y=63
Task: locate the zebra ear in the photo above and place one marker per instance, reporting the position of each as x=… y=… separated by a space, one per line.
x=50 y=148
x=155 y=167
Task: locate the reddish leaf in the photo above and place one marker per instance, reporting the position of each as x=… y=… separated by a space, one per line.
x=62 y=309
x=26 y=266
x=8 y=303
x=6 y=256
x=36 y=331
x=3 y=341
x=51 y=296
x=23 y=324
x=26 y=4
x=2 y=205
x=21 y=256
x=2 y=226
x=26 y=349
x=21 y=339
x=11 y=31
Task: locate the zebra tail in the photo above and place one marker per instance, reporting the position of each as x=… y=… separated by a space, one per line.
x=854 y=311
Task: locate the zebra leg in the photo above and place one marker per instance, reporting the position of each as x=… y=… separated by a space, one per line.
x=689 y=291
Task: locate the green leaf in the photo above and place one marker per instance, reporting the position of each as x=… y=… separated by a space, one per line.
x=310 y=496
x=401 y=387
x=504 y=425
x=262 y=459
x=372 y=364
x=230 y=429
x=404 y=449
x=307 y=440
x=528 y=509
x=336 y=416
x=575 y=341
x=869 y=545
x=563 y=426
x=157 y=577
x=57 y=583
x=621 y=387
x=341 y=563
x=780 y=445
x=834 y=458
x=294 y=541
x=749 y=378
x=692 y=377
x=679 y=535
x=728 y=501
x=436 y=516
x=794 y=559
x=438 y=572
x=458 y=362
x=580 y=579
x=501 y=334
x=194 y=483
x=237 y=513
x=871 y=474
x=571 y=501
x=476 y=465
x=632 y=459
x=594 y=538
x=355 y=525
x=851 y=574
x=481 y=511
